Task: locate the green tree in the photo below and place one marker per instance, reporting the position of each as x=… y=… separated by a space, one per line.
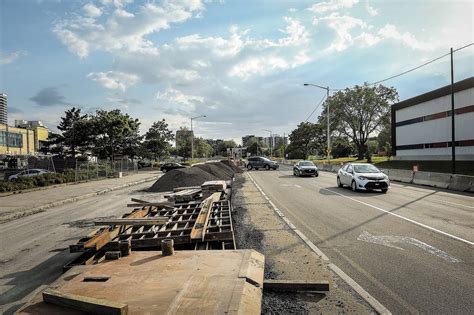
x=114 y=133
x=359 y=112
x=184 y=142
x=222 y=146
x=74 y=132
x=307 y=139
x=384 y=140
x=341 y=147
x=157 y=140
x=202 y=148
x=254 y=146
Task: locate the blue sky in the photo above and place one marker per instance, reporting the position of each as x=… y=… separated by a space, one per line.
x=240 y=63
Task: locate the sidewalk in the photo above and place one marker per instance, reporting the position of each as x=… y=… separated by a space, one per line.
x=19 y=205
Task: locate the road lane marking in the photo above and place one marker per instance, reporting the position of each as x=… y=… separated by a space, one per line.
x=388 y=240
x=354 y=285
x=403 y=218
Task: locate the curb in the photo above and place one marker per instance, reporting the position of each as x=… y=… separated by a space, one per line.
x=379 y=308
x=27 y=212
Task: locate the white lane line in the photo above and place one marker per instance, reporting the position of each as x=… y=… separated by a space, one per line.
x=403 y=218
x=379 y=308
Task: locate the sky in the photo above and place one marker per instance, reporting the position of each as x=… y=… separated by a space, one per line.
x=241 y=63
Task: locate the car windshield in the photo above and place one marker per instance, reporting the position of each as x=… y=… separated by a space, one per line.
x=265 y=159
x=306 y=163
x=366 y=168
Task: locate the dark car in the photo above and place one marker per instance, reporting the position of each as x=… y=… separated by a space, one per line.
x=170 y=166
x=305 y=168
x=257 y=162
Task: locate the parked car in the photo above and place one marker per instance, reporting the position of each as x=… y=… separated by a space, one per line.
x=28 y=173
x=362 y=176
x=170 y=166
x=257 y=162
x=305 y=168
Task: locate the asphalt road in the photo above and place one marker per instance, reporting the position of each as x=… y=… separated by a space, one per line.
x=34 y=249
x=412 y=248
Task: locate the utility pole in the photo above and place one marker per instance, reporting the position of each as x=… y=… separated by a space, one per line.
x=453 y=129
x=328 y=150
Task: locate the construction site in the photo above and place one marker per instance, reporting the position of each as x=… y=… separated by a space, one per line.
x=201 y=239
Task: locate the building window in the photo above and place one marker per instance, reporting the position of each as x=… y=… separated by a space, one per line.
x=10 y=139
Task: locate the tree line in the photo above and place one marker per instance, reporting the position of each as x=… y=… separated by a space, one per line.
x=112 y=134
x=359 y=123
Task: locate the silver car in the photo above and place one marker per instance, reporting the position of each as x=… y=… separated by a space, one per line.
x=28 y=173
x=362 y=176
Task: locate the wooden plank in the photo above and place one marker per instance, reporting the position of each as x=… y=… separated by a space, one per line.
x=198 y=231
x=133 y=222
x=296 y=285
x=139 y=200
x=164 y=204
x=83 y=303
x=186 y=188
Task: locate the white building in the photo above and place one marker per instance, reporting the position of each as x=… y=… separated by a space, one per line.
x=421 y=126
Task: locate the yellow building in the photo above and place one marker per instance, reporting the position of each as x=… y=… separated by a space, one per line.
x=20 y=140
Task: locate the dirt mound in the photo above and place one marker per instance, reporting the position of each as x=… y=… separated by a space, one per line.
x=182 y=177
x=217 y=169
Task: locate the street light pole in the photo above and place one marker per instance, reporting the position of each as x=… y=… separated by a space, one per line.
x=192 y=134
x=271 y=141
x=328 y=152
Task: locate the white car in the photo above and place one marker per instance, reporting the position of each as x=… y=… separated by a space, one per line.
x=28 y=173
x=362 y=176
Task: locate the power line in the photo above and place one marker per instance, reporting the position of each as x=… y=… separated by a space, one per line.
x=317 y=106
x=420 y=66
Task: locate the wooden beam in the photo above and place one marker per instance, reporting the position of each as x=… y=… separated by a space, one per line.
x=165 y=204
x=133 y=222
x=84 y=303
x=199 y=229
x=295 y=285
x=139 y=200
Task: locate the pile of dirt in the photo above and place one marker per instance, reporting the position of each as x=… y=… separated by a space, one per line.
x=218 y=169
x=182 y=177
x=192 y=176
x=232 y=166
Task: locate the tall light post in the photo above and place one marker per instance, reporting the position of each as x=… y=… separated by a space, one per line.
x=192 y=134
x=327 y=114
x=271 y=141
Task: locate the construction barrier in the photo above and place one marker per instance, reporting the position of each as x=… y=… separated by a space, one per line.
x=462 y=183
x=404 y=176
x=440 y=180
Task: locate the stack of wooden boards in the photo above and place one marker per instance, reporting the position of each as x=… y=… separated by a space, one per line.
x=210 y=187
x=198 y=223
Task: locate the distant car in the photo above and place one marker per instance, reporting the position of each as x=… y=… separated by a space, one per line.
x=362 y=176
x=305 y=168
x=257 y=162
x=28 y=173
x=170 y=166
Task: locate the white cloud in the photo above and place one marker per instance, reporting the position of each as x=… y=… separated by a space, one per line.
x=91 y=10
x=11 y=57
x=122 y=30
x=371 y=10
x=342 y=25
x=114 y=80
x=390 y=31
x=332 y=5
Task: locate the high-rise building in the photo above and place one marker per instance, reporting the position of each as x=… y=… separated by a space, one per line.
x=3 y=109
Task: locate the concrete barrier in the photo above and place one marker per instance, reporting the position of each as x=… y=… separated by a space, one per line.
x=440 y=180
x=462 y=183
x=335 y=168
x=404 y=176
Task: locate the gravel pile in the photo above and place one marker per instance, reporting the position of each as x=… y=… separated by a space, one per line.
x=192 y=176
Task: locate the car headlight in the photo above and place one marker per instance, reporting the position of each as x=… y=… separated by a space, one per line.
x=361 y=178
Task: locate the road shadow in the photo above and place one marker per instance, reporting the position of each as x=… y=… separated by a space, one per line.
x=23 y=283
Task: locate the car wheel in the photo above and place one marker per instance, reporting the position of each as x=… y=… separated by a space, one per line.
x=267 y=167
x=294 y=172
x=316 y=175
x=354 y=186
x=164 y=170
x=249 y=167
x=339 y=184
x=384 y=191
x=298 y=173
